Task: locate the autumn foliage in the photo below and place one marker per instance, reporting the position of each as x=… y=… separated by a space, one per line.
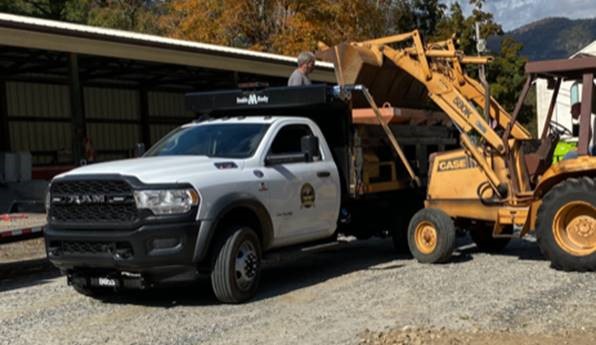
x=290 y=26
x=281 y=26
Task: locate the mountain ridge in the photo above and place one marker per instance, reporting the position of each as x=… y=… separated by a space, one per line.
x=551 y=38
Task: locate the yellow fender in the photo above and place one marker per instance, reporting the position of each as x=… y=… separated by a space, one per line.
x=580 y=166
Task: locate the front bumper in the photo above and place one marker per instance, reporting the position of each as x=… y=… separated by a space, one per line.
x=156 y=251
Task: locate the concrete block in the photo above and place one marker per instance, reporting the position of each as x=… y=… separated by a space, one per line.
x=24 y=166
x=8 y=167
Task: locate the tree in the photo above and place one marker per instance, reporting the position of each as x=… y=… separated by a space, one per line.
x=63 y=10
x=130 y=15
x=281 y=26
x=507 y=76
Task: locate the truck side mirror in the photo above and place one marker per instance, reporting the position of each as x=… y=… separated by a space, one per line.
x=309 y=145
x=139 y=150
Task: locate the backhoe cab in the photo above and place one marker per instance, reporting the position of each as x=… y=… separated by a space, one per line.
x=502 y=182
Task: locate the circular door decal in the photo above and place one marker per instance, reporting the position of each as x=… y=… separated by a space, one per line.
x=307 y=196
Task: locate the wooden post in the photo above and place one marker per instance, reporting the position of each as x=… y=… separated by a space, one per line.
x=586 y=113
x=144 y=117
x=4 y=130
x=77 y=108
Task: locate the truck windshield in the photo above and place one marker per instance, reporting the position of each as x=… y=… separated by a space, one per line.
x=234 y=140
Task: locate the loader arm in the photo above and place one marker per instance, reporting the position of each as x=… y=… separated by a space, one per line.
x=439 y=68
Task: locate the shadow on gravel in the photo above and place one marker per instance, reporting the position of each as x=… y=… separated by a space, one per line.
x=523 y=249
x=278 y=277
x=316 y=268
x=23 y=274
x=308 y=269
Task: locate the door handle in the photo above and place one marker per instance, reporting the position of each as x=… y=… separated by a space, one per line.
x=323 y=174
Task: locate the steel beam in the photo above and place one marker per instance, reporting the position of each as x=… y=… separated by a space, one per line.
x=551 y=108
x=586 y=113
x=77 y=108
x=518 y=106
x=144 y=117
x=4 y=129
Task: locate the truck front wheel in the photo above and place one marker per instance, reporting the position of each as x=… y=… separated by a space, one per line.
x=237 y=267
x=431 y=236
x=566 y=225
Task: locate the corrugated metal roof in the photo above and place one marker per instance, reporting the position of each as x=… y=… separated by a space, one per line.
x=590 y=49
x=72 y=36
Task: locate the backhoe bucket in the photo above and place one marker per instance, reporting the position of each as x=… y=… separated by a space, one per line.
x=386 y=82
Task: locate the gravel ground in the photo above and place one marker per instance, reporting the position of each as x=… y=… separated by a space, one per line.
x=22 y=250
x=360 y=293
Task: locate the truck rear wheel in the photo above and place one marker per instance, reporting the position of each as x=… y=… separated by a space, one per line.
x=566 y=225
x=237 y=269
x=431 y=236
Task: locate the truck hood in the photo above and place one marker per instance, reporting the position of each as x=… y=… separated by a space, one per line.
x=163 y=169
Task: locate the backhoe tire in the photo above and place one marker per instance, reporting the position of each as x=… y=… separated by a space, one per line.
x=237 y=268
x=566 y=225
x=482 y=235
x=431 y=236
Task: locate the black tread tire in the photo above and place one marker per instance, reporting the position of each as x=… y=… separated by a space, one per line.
x=583 y=188
x=482 y=235
x=223 y=278
x=445 y=235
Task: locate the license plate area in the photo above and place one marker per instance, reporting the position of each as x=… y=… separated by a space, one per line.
x=108 y=282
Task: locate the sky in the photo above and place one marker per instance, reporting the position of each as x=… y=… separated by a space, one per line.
x=512 y=14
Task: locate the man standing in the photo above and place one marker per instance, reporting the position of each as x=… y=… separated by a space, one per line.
x=306 y=64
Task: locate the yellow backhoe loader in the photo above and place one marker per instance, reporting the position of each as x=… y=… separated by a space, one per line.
x=502 y=182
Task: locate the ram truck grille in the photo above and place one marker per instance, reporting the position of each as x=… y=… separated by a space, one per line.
x=92 y=202
x=92 y=248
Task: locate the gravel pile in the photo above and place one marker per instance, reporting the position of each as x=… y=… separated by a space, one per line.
x=324 y=298
x=415 y=336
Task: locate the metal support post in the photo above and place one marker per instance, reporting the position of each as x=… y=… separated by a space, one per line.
x=77 y=109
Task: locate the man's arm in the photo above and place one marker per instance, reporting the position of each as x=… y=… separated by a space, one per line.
x=295 y=79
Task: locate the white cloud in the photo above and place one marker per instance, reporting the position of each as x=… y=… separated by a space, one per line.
x=515 y=13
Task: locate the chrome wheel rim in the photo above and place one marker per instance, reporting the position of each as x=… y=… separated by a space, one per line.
x=246 y=266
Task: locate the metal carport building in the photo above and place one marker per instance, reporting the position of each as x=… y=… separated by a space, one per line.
x=62 y=84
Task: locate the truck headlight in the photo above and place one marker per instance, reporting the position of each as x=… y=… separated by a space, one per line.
x=167 y=201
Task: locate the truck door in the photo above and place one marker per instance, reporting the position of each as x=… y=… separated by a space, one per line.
x=304 y=196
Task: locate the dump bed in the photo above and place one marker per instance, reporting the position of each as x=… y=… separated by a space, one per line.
x=361 y=150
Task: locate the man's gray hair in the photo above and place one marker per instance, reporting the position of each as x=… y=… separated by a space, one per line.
x=305 y=57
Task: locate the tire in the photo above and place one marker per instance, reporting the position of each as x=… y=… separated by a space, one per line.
x=482 y=235
x=237 y=268
x=431 y=236
x=566 y=225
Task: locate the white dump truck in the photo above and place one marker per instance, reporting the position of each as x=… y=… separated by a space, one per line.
x=259 y=171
